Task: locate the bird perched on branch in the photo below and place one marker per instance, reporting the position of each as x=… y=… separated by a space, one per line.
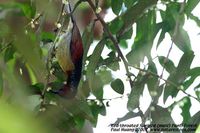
x=69 y=53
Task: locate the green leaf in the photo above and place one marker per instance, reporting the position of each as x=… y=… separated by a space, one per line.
x=1 y=83
x=198 y=129
x=110 y=45
x=145 y=33
x=158 y=93
x=191 y=4
x=184 y=64
x=95 y=82
x=105 y=75
x=47 y=37
x=79 y=107
x=128 y=116
x=194 y=120
x=127 y=35
x=79 y=122
x=185 y=105
x=188 y=82
x=116 y=25
x=4 y=28
x=195 y=18
x=179 y=76
x=129 y=3
x=37 y=88
x=95 y=57
x=123 y=44
x=9 y=53
x=112 y=61
x=32 y=75
x=83 y=89
x=116 y=6
x=14 y=120
x=138 y=87
x=96 y=110
x=197 y=91
x=87 y=39
x=162 y=36
x=96 y=86
x=170 y=15
x=118 y=86
x=161 y=115
x=167 y=63
x=29 y=49
x=114 y=66
x=72 y=114
x=133 y=13
x=152 y=80
x=192 y=74
x=182 y=40
x=58 y=72
x=28 y=9
x=102 y=109
x=198 y=86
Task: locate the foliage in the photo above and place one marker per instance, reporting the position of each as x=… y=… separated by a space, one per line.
x=27 y=35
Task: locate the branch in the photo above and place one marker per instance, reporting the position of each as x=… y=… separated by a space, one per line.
x=166 y=81
x=51 y=55
x=167 y=57
x=70 y=13
x=33 y=21
x=60 y=14
x=135 y=12
x=174 y=35
x=108 y=99
x=113 y=39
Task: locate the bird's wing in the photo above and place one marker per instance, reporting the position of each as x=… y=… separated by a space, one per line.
x=63 y=53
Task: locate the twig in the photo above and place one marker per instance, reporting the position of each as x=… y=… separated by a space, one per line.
x=167 y=57
x=35 y=19
x=75 y=6
x=108 y=99
x=166 y=81
x=70 y=13
x=170 y=49
x=60 y=14
x=113 y=39
x=152 y=59
x=39 y=29
x=148 y=112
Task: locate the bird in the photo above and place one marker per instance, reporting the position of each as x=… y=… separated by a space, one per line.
x=69 y=53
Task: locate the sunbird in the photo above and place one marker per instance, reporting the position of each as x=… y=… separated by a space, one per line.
x=69 y=53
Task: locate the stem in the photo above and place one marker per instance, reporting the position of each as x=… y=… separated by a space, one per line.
x=60 y=14
x=166 y=81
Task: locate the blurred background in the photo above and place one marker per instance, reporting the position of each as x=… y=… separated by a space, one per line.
x=29 y=28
